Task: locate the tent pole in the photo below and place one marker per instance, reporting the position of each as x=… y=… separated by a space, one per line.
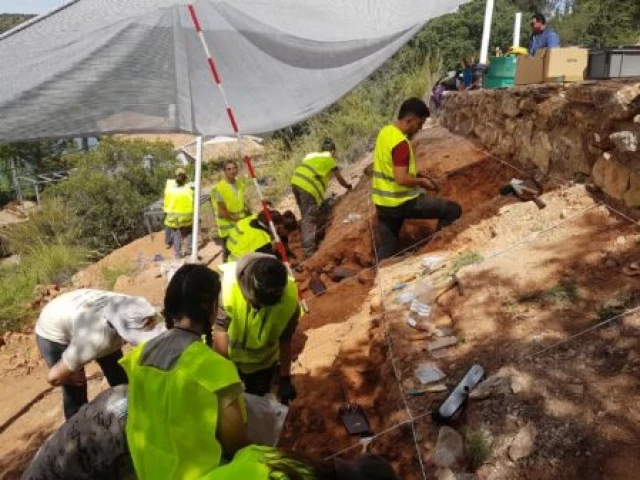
x=196 y=202
x=516 y=30
x=247 y=159
x=486 y=32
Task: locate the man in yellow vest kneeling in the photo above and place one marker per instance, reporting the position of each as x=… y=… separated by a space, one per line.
x=259 y=316
x=398 y=189
x=229 y=205
x=178 y=206
x=309 y=184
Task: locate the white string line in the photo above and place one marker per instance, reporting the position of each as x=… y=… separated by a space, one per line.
x=583 y=332
x=389 y=343
x=377 y=435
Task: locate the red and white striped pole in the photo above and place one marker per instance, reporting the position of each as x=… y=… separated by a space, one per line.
x=247 y=159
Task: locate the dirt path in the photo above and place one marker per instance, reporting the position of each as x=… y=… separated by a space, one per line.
x=542 y=276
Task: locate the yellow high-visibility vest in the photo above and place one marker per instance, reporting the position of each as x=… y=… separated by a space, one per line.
x=244 y=238
x=170 y=183
x=385 y=192
x=254 y=335
x=178 y=201
x=314 y=173
x=173 y=414
x=233 y=201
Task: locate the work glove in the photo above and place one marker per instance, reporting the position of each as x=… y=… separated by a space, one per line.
x=286 y=390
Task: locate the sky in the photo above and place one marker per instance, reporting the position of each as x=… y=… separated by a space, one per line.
x=29 y=6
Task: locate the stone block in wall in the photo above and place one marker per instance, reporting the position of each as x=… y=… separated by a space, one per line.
x=552 y=113
x=632 y=197
x=608 y=97
x=506 y=146
x=613 y=177
x=488 y=133
x=626 y=141
x=509 y=106
x=568 y=152
x=541 y=149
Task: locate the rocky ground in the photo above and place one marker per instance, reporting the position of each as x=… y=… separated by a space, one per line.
x=530 y=279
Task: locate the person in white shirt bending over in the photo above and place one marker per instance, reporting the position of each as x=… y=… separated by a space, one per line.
x=85 y=325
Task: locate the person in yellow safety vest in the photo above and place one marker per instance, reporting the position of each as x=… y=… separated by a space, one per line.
x=252 y=234
x=178 y=203
x=185 y=404
x=397 y=187
x=168 y=231
x=229 y=204
x=309 y=184
x=260 y=313
x=264 y=463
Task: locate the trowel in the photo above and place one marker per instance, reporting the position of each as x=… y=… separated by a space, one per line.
x=352 y=415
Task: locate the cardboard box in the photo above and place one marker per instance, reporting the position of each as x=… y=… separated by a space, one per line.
x=530 y=69
x=565 y=64
x=552 y=65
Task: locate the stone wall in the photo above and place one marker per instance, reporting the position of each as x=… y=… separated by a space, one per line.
x=590 y=130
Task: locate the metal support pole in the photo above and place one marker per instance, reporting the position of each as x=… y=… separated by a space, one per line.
x=196 y=202
x=486 y=32
x=37 y=193
x=516 y=30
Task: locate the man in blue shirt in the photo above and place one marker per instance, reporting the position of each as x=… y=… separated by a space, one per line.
x=542 y=36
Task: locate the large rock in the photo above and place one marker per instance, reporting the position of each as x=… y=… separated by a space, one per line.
x=612 y=176
x=523 y=444
x=626 y=141
x=632 y=197
x=541 y=149
x=449 y=450
x=510 y=106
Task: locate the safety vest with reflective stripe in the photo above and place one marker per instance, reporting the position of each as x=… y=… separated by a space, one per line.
x=314 y=173
x=245 y=238
x=233 y=201
x=385 y=192
x=178 y=203
x=173 y=414
x=254 y=335
x=170 y=183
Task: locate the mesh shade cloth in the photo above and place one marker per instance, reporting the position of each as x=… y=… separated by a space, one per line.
x=97 y=67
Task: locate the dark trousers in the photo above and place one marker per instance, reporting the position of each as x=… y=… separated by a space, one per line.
x=74 y=396
x=310 y=213
x=390 y=219
x=258 y=383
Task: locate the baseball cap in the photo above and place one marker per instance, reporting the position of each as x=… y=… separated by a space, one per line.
x=180 y=171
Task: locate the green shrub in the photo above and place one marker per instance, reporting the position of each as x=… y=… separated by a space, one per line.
x=46 y=264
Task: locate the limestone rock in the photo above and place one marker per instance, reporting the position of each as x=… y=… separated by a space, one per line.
x=449 y=450
x=632 y=197
x=612 y=176
x=523 y=444
x=626 y=141
x=510 y=106
x=541 y=147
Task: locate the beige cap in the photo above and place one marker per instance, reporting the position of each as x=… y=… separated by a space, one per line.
x=180 y=171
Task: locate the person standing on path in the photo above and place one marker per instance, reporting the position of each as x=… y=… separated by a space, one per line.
x=259 y=316
x=229 y=203
x=309 y=184
x=398 y=189
x=178 y=205
x=85 y=325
